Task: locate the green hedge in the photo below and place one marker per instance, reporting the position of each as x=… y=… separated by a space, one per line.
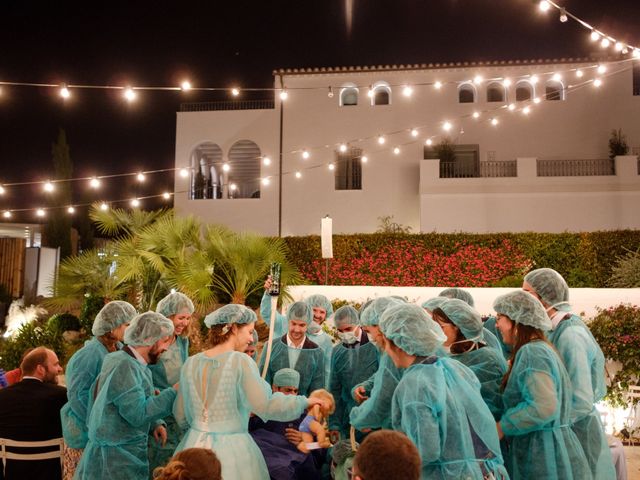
x=583 y=259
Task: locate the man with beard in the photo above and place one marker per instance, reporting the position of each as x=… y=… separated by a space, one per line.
x=31 y=412
x=126 y=406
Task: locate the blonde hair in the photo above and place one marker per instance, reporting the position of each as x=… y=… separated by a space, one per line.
x=325 y=395
x=191 y=464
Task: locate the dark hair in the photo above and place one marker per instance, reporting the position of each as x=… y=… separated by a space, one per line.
x=216 y=337
x=38 y=356
x=524 y=334
x=387 y=454
x=191 y=464
x=462 y=347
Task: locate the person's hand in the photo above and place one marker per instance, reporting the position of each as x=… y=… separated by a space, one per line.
x=500 y=432
x=267 y=283
x=160 y=434
x=359 y=394
x=176 y=386
x=365 y=430
x=293 y=436
x=321 y=402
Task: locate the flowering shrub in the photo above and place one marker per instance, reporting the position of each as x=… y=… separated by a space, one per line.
x=617 y=330
x=406 y=263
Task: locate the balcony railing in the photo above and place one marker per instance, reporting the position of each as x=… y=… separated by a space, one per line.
x=575 y=168
x=228 y=105
x=495 y=169
x=472 y=169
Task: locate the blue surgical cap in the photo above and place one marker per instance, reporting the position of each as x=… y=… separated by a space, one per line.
x=371 y=315
x=434 y=303
x=286 y=377
x=174 y=304
x=523 y=308
x=345 y=315
x=320 y=301
x=459 y=294
x=551 y=287
x=112 y=315
x=411 y=329
x=147 y=328
x=301 y=312
x=231 y=313
x=465 y=317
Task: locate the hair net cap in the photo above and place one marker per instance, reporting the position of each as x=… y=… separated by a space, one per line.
x=174 y=304
x=147 y=328
x=464 y=316
x=371 y=315
x=434 y=303
x=523 y=308
x=286 y=377
x=300 y=311
x=320 y=301
x=550 y=287
x=411 y=329
x=346 y=315
x=231 y=313
x=459 y=294
x=112 y=315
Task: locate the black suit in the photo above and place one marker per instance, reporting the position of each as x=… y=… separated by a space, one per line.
x=30 y=411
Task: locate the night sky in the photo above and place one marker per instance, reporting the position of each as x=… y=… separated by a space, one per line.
x=144 y=43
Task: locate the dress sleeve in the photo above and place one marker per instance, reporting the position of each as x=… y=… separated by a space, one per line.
x=261 y=400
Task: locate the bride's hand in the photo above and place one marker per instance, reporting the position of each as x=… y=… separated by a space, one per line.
x=313 y=401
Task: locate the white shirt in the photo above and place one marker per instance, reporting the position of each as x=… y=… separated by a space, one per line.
x=139 y=357
x=292 y=345
x=32 y=378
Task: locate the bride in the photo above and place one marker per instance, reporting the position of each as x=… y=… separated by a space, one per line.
x=220 y=387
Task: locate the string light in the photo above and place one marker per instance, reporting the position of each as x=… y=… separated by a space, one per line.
x=437 y=85
x=135 y=203
x=446 y=126
x=6 y=214
x=407 y=91
x=597 y=82
x=476 y=115
x=544 y=6
x=94 y=183
x=298 y=175
x=332 y=166
x=266 y=161
x=71 y=210
x=2 y=190
x=40 y=212
x=225 y=167
x=48 y=187
x=364 y=159
x=512 y=106
x=602 y=69
x=140 y=177
x=414 y=132
x=184 y=173
x=595 y=36
x=619 y=47
x=330 y=92
x=129 y=94
x=563 y=16
x=428 y=142
x=533 y=79
x=233 y=187
x=166 y=195
x=579 y=73
x=370 y=92
x=494 y=121
x=104 y=207
x=185 y=86
x=235 y=91
x=284 y=95
x=343 y=147
x=381 y=139
x=605 y=43
x=396 y=150
x=557 y=77
x=64 y=92
x=506 y=82
x=526 y=110
x=477 y=79
x=305 y=154
x=536 y=100
x=266 y=181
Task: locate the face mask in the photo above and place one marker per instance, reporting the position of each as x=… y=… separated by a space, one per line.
x=348 y=338
x=473 y=340
x=314 y=328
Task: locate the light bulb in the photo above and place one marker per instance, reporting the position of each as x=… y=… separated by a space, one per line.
x=2 y=190
x=533 y=79
x=104 y=206
x=605 y=43
x=512 y=106
x=414 y=132
x=71 y=210
x=184 y=173
x=579 y=73
x=438 y=85
x=94 y=183
x=563 y=15
x=370 y=92
x=233 y=187
x=140 y=177
x=330 y=92
x=636 y=53
x=40 y=212
x=557 y=77
x=64 y=92
x=129 y=94
x=407 y=91
x=235 y=91
x=48 y=186
x=284 y=95
x=135 y=203
x=166 y=195
x=396 y=150
x=602 y=69
x=476 y=114
x=428 y=142
x=477 y=79
x=446 y=126
x=526 y=110
x=619 y=46
x=381 y=140
x=266 y=161
x=6 y=214
x=597 y=82
x=364 y=159
x=225 y=167
x=185 y=86
x=298 y=175
x=494 y=121
x=536 y=100
x=266 y=181
x=343 y=147
x=506 y=82
x=544 y=6
x=332 y=166
x=305 y=154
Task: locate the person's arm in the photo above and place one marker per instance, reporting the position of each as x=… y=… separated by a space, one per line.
x=79 y=385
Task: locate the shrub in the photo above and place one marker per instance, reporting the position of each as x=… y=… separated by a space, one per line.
x=90 y=308
x=626 y=272
x=61 y=322
x=617 y=331
x=31 y=335
x=617 y=144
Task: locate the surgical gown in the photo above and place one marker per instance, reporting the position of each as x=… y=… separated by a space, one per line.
x=308 y=362
x=349 y=367
x=82 y=370
x=437 y=404
x=489 y=366
x=216 y=396
x=323 y=340
x=281 y=323
x=166 y=373
x=375 y=412
x=120 y=420
x=584 y=362
x=537 y=418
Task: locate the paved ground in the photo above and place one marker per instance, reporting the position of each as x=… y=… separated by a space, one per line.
x=633 y=462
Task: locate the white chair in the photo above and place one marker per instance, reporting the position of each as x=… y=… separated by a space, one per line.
x=633 y=395
x=8 y=443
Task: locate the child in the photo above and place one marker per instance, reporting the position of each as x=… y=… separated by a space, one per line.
x=314 y=423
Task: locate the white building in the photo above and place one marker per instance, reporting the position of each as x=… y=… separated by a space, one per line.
x=535 y=159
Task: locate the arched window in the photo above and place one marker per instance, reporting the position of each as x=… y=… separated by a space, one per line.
x=348 y=96
x=554 y=90
x=381 y=94
x=524 y=91
x=243 y=178
x=496 y=92
x=466 y=93
x=206 y=158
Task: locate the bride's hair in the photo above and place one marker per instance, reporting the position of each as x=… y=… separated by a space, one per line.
x=219 y=333
x=191 y=464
